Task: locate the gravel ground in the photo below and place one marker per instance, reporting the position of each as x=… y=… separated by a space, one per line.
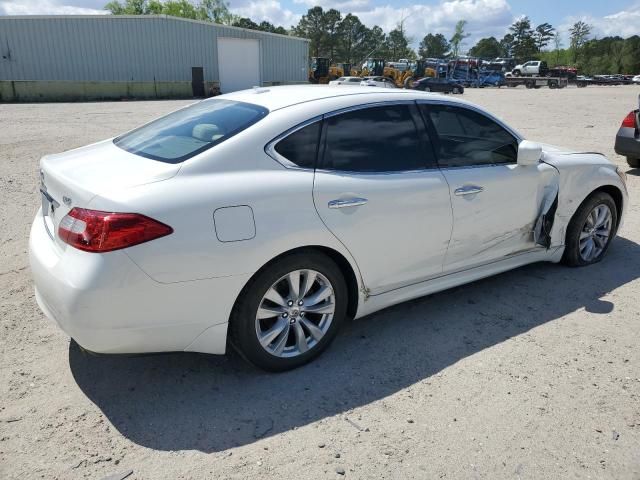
x=531 y=374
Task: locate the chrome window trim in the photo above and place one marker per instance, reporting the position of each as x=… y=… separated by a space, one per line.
x=270 y=148
x=473 y=108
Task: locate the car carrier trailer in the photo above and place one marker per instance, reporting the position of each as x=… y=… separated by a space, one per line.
x=537 y=82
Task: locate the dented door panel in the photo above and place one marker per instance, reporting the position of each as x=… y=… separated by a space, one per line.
x=499 y=219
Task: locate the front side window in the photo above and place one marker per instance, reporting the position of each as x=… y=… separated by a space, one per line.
x=301 y=146
x=375 y=139
x=191 y=130
x=468 y=138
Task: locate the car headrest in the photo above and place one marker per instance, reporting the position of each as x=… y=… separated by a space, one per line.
x=207 y=132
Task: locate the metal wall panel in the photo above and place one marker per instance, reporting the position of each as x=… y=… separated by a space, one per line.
x=133 y=48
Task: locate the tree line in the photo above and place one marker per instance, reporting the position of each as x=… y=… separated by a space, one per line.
x=347 y=39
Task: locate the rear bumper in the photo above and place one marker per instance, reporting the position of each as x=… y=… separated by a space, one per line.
x=109 y=305
x=627 y=143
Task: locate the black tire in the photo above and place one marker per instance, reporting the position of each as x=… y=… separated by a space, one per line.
x=571 y=256
x=516 y=73
x=408 y=82
x=427 y=89
x=553 y=84
x=633 y=162
x=242 y=328
x=456 y=90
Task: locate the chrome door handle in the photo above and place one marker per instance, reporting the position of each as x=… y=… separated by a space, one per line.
x=347 y=202
x=468 y=190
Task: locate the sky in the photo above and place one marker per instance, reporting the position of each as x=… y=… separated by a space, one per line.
x=484 y=17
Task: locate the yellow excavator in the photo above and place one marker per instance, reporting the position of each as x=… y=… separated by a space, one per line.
x=372 y=67
x=403 y=74
x=319 y=70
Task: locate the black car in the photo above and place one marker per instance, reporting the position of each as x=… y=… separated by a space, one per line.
x=430 y=84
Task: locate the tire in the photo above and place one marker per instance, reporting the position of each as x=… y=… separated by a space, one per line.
x=245 y=325
x=516 y=73
x=553 y=84
x=408 y=82
x=578 y=226
x=456 y=90
x=633 y=162
x=427 y=89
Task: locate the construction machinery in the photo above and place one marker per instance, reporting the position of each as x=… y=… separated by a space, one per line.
x=372 y=67
x=319 y=70
x=339 y=70
x=404 y=73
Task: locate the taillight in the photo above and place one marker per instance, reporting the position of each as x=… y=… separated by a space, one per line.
x=630 y=120
x=94 y=231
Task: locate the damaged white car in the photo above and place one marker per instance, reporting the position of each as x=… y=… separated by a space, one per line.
x=265 y=218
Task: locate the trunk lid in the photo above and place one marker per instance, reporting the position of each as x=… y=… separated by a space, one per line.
x=74 y=178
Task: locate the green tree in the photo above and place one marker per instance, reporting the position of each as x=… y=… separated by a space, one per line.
x=543 y=35
x=332 y=19
x=312 y=26
x=397 y=45
x=435 y=46
x=458 y=38
x=352 y=39
x=631 y=55
x=557 y=43
x=506 y=46
x=579 y=34
x=486 y=48
x=129 y=7
x=244 y=22
x=524 y=45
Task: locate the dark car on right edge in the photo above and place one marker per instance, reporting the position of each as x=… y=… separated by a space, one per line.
x=628 y=138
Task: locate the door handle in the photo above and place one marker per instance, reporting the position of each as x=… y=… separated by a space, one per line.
x=347 y=202
x=468 y=190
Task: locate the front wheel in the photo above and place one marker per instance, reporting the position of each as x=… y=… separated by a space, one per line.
x=427 y=89
x=289 y=312
x=591 y=230
x=456 y=90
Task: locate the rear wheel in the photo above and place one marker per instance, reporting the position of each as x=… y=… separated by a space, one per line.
x=456 y=90
x=427 y=89
x=289 y=312
x=591 y=230
x=516 y=73
x=633 y=162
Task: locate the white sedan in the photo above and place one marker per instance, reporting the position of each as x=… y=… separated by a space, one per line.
x=347 y=81
x=383 y=82
x=266 y=218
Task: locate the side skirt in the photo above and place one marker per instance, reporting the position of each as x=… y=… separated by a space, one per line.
x=384 y=300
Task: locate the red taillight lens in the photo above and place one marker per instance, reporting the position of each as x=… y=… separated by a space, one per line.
x=630 y=120
x=94 y=231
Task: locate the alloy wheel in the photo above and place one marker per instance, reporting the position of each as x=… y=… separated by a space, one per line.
x=595 y=233
x=295 y=313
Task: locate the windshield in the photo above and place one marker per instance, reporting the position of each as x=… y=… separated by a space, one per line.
x=194 y=129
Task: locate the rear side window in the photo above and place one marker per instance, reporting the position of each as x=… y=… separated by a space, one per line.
x=192 y=130
x=301 y=146
x=468 y=138
x=376 y=139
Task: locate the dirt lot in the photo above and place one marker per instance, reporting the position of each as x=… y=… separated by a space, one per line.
x=531 y=374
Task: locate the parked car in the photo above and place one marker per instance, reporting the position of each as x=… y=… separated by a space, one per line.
x=628 y=138
x=267 y=217
x=383 y=82
x=636 y=79
x=348 y=81
x=533 y=68
x=432 y=84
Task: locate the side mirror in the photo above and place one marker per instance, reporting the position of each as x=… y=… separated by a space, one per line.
x=529 y=153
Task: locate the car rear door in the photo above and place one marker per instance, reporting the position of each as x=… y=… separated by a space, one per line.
x=495 y=201
x=378 y=190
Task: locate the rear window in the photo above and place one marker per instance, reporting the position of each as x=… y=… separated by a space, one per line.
x=192 y=130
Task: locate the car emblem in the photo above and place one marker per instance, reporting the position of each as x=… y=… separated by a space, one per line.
x=66 y=200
